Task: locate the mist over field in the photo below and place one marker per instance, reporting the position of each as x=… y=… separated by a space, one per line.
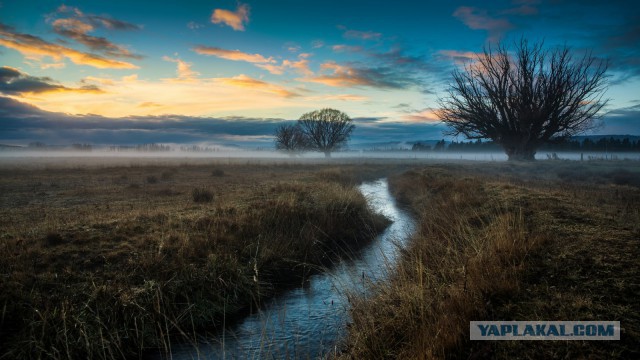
x=97 y=158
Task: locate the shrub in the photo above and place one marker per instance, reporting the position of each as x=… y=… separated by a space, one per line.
x=152 y=179
x=217 y=172
x=202 y=195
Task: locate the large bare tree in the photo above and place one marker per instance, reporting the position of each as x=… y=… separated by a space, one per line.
x=326 y=130
x=525 y=99
x=289 y=138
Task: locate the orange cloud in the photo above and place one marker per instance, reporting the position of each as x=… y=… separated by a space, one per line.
x=342 y=76
x=78 y=26
x=245 y=81
x=184 y=71
x=426 y=115
x=301 y=66
x=234 y=19
x=35 y=48
x=235 y=55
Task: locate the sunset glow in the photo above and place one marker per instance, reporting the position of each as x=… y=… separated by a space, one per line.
x=385 y=64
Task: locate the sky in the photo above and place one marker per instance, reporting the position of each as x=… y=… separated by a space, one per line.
x=228 y=72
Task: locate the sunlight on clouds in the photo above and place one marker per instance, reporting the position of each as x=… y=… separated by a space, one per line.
x=247 y=82
x=196 y=97
x=342 y=76
x=301 y=66
x=58 y=52
x=184 y=71
x=35 y=48
x=234 y=55
x=340 y=97
x=426 y=115
x=460 y=57
x=234 y=19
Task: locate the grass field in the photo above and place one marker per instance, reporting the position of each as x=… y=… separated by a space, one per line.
x=108 y=261
x=502 y=241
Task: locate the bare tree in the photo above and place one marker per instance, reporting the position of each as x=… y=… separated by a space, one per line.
x=289 y=138
x=522 y=101
x=326 y=130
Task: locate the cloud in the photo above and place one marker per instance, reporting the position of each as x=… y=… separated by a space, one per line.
x=619 y=44
x=194 y=25
x=301 y=66
x=422 y=116
x=393 y=69
x=15 y=82
x=385 y=130
x=337 y=75
x=317 y=44
x=186 y=93
x=95 y=20
x=360 y=35
x=234 y=19
x=245 y=81
x=35 y=48
x=524 y=8
x=78 y=25
x=459 y=57
x=23 y=123
x=346 y=48
x=478 y=19
x=339 y=97
x=184 y=71
x=235 y=55
x=621 y=121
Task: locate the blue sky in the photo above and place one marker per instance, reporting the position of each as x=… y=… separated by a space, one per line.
x=226 y=72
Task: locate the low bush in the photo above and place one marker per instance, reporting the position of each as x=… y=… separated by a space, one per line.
x=201 y=195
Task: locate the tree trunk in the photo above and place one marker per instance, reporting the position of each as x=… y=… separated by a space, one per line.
x=520 y=152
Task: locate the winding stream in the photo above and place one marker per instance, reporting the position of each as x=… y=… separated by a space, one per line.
x=308 y=322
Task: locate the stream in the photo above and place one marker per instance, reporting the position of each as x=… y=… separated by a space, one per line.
x=309 y=321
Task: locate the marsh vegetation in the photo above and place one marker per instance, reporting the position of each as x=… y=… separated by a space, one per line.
x=112 y=261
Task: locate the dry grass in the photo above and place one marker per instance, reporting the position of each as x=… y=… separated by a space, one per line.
x=506 y=242
x=104 y=263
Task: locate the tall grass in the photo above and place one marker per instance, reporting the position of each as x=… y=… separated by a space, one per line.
x=113 y=285
x=469 y=246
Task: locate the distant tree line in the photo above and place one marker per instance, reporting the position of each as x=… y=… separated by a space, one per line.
x=153 y=147
x=196 y=148
x=603 y=144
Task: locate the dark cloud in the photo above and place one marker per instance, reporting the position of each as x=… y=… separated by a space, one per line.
x=621 y=121
x=480 y=19
x=35 y=47
x=376 y=131
x=23 y=123
x=392 y=69
x=76 y=25
x=620 y=44
x=13 y=82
